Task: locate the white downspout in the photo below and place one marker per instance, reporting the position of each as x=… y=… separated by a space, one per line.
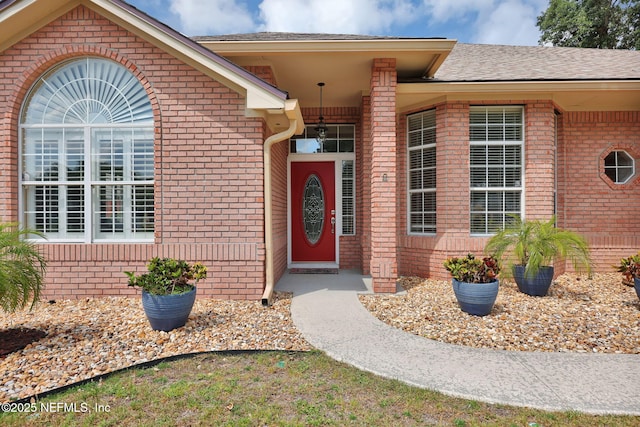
x=294 y=123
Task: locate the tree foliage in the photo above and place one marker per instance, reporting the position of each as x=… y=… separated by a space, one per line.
x=22 y=268
x=605 y=24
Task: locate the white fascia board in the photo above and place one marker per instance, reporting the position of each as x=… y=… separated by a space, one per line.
x=256 y=97
x=506 y=87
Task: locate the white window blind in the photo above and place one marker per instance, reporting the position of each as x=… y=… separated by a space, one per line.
x=496 y=153
x=87 y=154
x=421 y=141
x=348 y=198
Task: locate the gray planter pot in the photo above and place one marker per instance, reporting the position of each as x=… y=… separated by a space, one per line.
x=636 y=285
x=536 y=286
x=168 y=312
x=476 y=298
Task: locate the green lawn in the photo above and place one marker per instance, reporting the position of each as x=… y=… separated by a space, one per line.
x=272 y=389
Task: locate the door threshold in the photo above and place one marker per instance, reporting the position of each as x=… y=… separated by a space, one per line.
x=314 y=268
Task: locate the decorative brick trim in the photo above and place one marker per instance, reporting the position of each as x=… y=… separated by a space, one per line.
x=634 y=151
x=140 y=252
x=592 y=117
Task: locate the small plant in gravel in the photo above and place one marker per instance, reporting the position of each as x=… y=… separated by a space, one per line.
x=168 y=276
x=22 y=268
x=473 y=270
x=630 y=269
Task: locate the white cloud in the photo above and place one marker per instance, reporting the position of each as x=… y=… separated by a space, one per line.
x=447 y=10
x=492 y=21
x=206 y=17
x=335 y=16
x=476 y=21
x=511 y=22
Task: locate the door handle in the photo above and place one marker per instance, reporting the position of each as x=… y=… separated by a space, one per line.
x=333 y=225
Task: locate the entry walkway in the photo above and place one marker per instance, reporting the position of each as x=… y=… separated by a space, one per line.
x=327 y=311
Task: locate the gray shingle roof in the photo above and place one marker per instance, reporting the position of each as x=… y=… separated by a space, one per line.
x=474 y=62
x=477 y=62
x=280 y=36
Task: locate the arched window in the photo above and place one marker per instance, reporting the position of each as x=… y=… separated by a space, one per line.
x=87 y=154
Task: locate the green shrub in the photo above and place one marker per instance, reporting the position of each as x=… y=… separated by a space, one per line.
x=22 y=268
x=168 y=276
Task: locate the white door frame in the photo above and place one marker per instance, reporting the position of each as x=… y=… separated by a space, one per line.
x=337 y=158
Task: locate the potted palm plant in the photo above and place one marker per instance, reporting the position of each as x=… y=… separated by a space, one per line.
x=531 y=248
x=168 y=291
x=475 y=283
x=630 y=269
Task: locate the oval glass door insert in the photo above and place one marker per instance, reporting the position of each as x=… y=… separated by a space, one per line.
x=313 y=209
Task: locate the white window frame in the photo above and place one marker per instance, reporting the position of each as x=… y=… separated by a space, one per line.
x=429 y=190
x=334 y=134
x=132 y=121
x=617 y=167
x=491 y=143
x=348 y=221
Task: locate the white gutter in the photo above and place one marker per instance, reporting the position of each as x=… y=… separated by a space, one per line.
x=296 y=124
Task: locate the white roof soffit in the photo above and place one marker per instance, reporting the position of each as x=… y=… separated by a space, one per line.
x=343 y=64
x=422 y=55
x=22 y=17
x=19 y=18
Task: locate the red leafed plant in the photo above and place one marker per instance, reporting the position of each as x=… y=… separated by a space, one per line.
x=630 y=269
x=473 y=270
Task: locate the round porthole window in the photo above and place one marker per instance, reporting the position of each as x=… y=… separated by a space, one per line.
x=619 y=167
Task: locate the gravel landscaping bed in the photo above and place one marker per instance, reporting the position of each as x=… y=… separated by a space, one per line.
x=580 y=314
x=89 y=337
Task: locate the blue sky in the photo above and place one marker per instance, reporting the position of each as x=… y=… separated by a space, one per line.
x=511 y=22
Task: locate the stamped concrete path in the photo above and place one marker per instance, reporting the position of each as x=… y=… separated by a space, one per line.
x=326 y=309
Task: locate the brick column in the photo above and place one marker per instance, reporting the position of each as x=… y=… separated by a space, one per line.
x=539 y=160
x=383 y=266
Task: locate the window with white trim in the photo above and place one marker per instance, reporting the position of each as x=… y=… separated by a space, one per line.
x=340 y=141
x=496 y=167
x=421 y=152
x=87 y=154
x=619 y=166
x=348 y=198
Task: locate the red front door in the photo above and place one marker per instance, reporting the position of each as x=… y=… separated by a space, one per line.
x=313 y=205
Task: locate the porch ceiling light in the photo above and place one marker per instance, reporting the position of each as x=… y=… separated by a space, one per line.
x=321 y=127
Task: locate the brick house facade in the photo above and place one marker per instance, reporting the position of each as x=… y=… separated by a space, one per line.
x=225 y=138
x=206 y=153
